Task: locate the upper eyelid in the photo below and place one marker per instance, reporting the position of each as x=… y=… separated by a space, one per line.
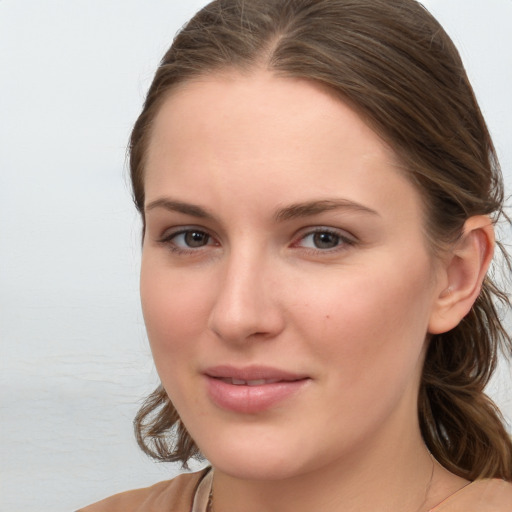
x=343 y=233
x=178 y=230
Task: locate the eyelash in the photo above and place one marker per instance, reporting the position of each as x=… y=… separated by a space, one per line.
x=169 y=240
x=343 y=241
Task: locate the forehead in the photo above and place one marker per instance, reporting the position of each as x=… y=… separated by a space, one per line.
x=236 y=134
x=233 y=111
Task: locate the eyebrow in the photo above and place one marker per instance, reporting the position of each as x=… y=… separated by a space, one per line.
x=310 y=208
x=179 y=206
x=293 y=211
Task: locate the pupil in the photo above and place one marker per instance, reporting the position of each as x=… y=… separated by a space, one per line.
x=325 y=240
x=196 y=239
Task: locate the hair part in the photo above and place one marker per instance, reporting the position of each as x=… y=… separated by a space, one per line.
x=393 y=63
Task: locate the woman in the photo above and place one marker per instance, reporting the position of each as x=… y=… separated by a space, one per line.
x=318 y=190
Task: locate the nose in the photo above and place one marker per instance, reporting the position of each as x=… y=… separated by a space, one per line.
x=247 y=305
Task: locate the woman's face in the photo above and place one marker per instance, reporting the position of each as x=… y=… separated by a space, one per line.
x=286 y=284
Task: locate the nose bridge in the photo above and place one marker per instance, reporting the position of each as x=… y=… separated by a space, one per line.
x=245 y=305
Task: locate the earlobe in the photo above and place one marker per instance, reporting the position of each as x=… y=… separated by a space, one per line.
x=463 y=274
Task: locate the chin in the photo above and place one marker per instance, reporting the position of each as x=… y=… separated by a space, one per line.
x=253 y=457
x=258 y=468
x=264 y=456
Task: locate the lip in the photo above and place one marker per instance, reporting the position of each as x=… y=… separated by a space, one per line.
x=251 y=389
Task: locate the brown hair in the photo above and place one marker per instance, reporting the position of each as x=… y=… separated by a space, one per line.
x=393 y=63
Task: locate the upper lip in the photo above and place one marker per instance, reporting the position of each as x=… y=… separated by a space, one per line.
x=253 y=373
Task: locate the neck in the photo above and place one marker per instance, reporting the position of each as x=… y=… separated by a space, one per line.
x=387 y=476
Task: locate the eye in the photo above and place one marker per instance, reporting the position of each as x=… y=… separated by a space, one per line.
x=192 y=239
x=324 y=239
x=187 y=240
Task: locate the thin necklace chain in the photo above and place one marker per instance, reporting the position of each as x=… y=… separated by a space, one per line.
x=429 y=485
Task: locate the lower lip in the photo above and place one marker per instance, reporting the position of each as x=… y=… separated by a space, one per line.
x=251 y=399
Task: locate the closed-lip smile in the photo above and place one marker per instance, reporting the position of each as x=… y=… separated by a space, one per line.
x=251 y=389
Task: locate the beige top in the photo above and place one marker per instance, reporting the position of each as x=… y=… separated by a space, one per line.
x=189 y=493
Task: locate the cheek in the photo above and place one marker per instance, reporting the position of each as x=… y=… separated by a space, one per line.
x=175 y=312
x=372 y=323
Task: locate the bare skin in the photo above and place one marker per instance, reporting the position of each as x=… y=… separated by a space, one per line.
x=282 y=237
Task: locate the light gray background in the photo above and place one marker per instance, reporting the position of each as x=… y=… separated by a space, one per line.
x=74 y=361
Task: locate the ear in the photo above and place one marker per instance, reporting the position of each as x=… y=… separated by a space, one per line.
x=462 y=274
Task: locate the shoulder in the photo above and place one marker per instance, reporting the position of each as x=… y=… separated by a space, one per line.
x=491 y=495
x=174 y=495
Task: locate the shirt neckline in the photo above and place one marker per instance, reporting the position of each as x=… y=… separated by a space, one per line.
x=202 y=493
x=203 y=490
